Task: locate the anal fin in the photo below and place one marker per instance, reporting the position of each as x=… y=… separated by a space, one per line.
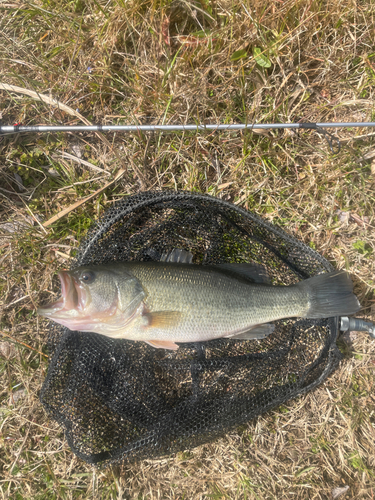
x=256 y=332
x=163 y=344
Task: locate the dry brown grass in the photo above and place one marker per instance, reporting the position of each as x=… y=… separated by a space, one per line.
x=322 y=69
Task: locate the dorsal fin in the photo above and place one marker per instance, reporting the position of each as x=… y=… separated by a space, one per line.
x=254 y=272
x=177 y=255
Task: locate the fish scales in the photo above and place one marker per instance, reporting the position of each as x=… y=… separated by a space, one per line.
x=166 y=302
x=213 y=303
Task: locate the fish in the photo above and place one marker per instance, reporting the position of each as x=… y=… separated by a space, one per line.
x=166 y=303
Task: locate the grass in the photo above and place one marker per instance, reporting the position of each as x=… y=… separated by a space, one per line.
x=182 y=62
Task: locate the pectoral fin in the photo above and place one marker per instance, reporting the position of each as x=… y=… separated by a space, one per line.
x=256 y=332
x=163 y=344
x=161 y=319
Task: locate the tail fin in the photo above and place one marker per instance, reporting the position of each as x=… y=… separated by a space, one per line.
x=330 y=295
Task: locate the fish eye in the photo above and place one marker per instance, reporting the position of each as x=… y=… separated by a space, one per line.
x=87 y=277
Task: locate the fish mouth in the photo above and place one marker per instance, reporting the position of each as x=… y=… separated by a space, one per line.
x=69 y=299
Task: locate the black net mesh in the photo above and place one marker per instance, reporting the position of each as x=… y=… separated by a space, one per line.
x=122 y=400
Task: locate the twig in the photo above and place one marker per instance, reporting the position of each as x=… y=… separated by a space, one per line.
x=33 y=216
x=23 y=343
x=19 y=451
x=81 y=202
x=44 y=98
x=59 y=105
x=77 y=184
x=84 y=162
x=15 y=301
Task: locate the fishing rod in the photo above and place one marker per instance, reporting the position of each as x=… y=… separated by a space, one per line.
x=332 y=140
x=347 y=324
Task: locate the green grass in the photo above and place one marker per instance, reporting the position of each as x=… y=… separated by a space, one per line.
x=225 y=62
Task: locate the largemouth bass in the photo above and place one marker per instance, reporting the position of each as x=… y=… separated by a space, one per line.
x=164 y=303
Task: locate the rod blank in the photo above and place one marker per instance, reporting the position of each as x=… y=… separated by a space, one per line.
x=4 y=129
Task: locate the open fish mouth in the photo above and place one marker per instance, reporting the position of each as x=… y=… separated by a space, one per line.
x=70 y=295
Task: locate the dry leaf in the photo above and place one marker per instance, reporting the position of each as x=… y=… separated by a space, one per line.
x=7 y=350
x=16 y=396
x=192 y=41
x=369 y=155
x=14 y=227
x=53 y=173
x=165 y=31
x=339 y=492
x=343 y=216
x=77 y=150
x=349 y=337
x=19 y=181
x=361 y=221
x=225 y=185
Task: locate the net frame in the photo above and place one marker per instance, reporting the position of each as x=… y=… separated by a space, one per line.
x=119 y=401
